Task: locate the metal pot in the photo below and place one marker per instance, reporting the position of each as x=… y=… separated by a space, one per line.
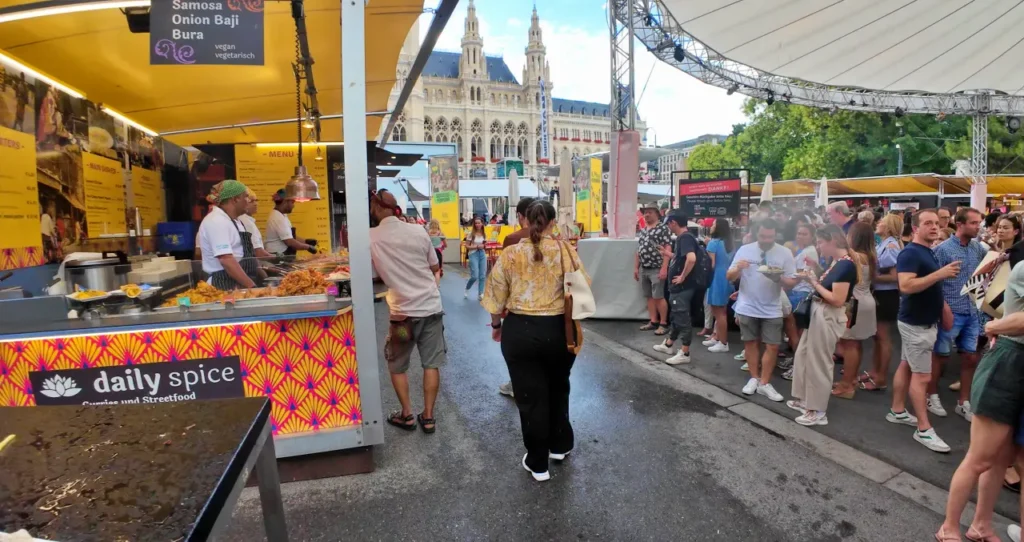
x=104 y=274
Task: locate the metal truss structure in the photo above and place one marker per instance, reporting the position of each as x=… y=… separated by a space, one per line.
x=656 y=27
x=623 y=102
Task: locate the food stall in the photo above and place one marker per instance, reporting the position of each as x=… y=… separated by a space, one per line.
x=90 y=122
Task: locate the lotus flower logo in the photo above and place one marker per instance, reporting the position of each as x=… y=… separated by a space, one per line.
x=59 y=386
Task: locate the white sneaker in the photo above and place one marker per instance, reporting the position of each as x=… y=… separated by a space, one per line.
x=538 y=476
x=788 y=374
x=506 y=389
x=719 y=347
x=680 y=358
x=797 y=405
x=751 y=387
x=903 y=418
x=465 y=295
x=745 y=367
x=935 y=406
x=660 y=347
x=1013 y=531
x=557 y=457
x=710 y=342
x=769 y=391
x=964 y=411
x=812 y=418
x=742 y=356
x=481 y=297
x=931 y=441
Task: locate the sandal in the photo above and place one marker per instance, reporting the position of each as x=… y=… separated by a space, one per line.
x=1014 y=487
x=943 y=536
x=424 y=422
x=402 y=422
x=864 y=376
x=975 y=536
x=848 y=394
x=662 y=330
x=649 y=326
x=870 y=385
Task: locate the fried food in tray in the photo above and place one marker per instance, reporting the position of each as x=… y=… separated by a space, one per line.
x=131 y=290
x=202 y=293
x=303 y=282
x=342 y=272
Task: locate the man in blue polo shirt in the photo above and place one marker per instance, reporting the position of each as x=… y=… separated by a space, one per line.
x=921 y=307
x=962 y=248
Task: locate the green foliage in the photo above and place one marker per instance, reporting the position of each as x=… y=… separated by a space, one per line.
x=794 y=142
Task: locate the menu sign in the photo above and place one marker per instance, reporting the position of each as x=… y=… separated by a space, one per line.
x=706 y=198
x=206 y=32
x=266 y=169
x=142 y=383
x=19 y=193
x=148 y=196
x=444 y=194
x=104 y=195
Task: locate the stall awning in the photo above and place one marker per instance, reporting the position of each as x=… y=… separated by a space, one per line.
x=96 y=54
x=895 y=184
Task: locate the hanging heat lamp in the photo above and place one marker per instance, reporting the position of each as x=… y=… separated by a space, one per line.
x=300 y=187
x=319 y=155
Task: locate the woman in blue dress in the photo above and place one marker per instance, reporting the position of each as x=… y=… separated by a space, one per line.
x=721 y=250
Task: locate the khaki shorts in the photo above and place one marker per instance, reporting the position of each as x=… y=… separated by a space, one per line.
x=652 y=286
x=427 y=337
x=766 y=330
x=918 y=344
x=787 y=306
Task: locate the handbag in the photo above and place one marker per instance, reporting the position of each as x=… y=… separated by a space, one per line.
x=579 y=300
x=802 y=312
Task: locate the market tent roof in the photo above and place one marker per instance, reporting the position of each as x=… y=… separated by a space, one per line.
x=941 y=46
x=419 y=189
x=895 y=184
x=95 y=53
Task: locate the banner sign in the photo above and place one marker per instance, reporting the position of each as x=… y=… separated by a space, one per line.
x=507 y=165
x=104 y=195
x=444 y=194
x=595 y=222
x=142 y=383
x=545 y=142
x=183 y=32
x=19 y=193
x=709 y=198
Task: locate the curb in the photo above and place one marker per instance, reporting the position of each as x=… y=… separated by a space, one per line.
x=888 y=476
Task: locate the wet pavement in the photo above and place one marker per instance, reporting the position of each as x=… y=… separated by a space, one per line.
x=652 y=462
x=859 y=423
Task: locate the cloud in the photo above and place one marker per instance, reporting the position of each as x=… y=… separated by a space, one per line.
x=674 y=104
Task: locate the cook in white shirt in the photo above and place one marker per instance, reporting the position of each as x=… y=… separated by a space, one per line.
x=280 y=239
x=249 y=222
x=220 y=242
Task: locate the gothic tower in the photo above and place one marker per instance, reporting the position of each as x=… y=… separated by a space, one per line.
x=473 y=65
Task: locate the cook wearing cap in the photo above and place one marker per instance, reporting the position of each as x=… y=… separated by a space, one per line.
x=280 y=233
x=223 y=240
x=249 y=222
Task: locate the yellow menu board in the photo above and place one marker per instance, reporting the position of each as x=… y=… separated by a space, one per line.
x=148 y=195
x=104 y=195
x=19 y=191
x=267 y=169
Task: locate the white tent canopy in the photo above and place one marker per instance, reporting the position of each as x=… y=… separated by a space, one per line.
x=939 y=46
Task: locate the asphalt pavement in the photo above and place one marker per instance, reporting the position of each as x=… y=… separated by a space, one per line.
x=859 y=422
x=653 y=461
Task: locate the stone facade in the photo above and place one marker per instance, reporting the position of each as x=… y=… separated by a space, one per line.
x=475 y=101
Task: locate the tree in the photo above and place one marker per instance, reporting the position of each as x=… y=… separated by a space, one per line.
x=708 y=156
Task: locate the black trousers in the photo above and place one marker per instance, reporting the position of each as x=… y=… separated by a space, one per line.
x=539 y=365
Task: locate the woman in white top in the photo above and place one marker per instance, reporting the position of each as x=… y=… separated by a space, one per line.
x=224 y=242
x=477 y=256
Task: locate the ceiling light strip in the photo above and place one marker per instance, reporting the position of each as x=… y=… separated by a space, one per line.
x=46 y=9
x=262 y=123
x=19 y=67
x=128 y=121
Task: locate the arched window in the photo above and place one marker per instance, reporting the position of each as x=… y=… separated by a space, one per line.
x=458 y=145
x=494 y=101
x=510 y=128
x=495 y=148
x=456 y=126
x=443 y=138
x=495 y=127
x=523 y=129
x=428 y=127
x=440 y=95
x=455 y=96
x=521 y=148
x=428 y=138
x=399 y=133
x=442 y=125
x=476 y=127
x=510 y=148
x=477 y=146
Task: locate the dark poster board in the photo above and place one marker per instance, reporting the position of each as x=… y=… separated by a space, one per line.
x=186 y=32
x=704 y=194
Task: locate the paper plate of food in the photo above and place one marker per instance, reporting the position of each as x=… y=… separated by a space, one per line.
x=770 y=271
x=83 y=296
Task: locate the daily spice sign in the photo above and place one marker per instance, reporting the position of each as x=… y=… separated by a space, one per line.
x=206 y=32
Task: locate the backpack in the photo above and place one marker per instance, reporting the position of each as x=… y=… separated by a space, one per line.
x=702 y=270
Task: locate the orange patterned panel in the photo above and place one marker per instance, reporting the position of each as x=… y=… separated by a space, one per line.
x=307 y=367
x=16 y=258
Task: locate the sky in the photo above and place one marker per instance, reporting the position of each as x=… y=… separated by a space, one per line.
x=675 y=105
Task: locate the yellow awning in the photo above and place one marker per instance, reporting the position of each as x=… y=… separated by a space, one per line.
x=94 y=53
x=896 y=184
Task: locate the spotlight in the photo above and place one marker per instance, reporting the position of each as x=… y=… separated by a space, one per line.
x=853 y=102
x=1012 y=124
x=732 y=89
x=770 y=99
x=679 y=55
x=899 y=112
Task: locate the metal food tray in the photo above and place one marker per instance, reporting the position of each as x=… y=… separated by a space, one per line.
x=245 y=303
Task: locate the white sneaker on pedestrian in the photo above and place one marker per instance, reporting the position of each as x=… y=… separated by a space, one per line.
x=710 y=342
x=506 y=389
x=745 y=367
x=465 y=295
x=964 y=411
x=481 y=297
x=538 y=476
x=751 y=387
x=935 y=406
x=812 y=418
x=788 y=374
x=769 y=391
x=903 y=418
x=557 y=457
x=742 y=356
x=680 y=358
x=931 y=440
x=660 y=347
x=719 y=348
x=1013 y=531
x=797 y=405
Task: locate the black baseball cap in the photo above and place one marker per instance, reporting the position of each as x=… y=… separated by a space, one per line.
x=677 y=217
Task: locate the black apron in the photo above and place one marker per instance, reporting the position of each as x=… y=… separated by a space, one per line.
x=290 y=251
x=221 y=280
